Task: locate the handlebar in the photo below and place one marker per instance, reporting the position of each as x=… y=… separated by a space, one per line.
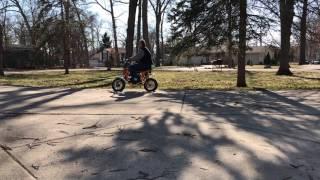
x=127 y=62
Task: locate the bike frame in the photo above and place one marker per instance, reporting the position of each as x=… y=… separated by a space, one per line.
x=144 y=75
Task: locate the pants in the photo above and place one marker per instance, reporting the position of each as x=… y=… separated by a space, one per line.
x=136 y=68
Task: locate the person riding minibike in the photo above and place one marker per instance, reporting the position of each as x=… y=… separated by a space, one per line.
x=137 y=73
x=143 y=61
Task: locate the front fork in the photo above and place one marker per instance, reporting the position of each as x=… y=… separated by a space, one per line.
x=126 y=74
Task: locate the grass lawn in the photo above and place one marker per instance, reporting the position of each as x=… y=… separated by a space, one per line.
x=292 y=65
x=168 y=80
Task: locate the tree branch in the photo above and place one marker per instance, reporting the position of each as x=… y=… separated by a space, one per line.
x=104 y=8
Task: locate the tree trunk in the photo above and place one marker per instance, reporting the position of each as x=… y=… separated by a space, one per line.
x=303 y=32
x=4 y=27
x=241 y=81
x=92 y=44
x=286 y=20
x=1 y=51
x=66 y=37
x=158 y=50
x=162 y=39
x=83 y=34
x=130 y=29
x=115 y=36
x=145 y=23
x=98 y=37
x=138 y=26
x=230 y=37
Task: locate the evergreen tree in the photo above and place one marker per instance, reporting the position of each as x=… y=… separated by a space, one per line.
x=267 y=61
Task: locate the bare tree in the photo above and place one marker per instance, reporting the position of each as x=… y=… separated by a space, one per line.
x=131 y=24
x=145 y=22
x=66 y=38
x=3 y=7
x=1 y=50
x=17 y=4
x=114 y=28
x=162 y=38
x=139 y=25
x=229 y=33
x=303 y=32
x=159 y=8
x=83 y=34
x=37 y=24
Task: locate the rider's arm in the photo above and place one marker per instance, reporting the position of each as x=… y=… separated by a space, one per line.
x=138 y=57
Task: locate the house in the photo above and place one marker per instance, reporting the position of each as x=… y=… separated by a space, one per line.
x=254 y=55
x=110 y=55
x=101 y=58
x=312 y=52
x=95 y=59
x=18 y=57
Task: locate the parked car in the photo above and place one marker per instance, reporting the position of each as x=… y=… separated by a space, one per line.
x=316 y=62
x=313 y=61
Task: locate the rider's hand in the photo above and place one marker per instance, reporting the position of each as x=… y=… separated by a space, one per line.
x=131 y=60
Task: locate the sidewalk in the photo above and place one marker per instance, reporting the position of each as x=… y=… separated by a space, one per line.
x=94 y=134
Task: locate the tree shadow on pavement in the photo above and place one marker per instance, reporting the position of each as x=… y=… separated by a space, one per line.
x=218 y=135
x=13 y=103
x=125 y=96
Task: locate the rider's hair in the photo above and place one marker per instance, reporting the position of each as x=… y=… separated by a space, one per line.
x=143 y=43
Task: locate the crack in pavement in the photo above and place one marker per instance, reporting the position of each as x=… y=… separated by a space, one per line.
x=19 y=162
x=81 y=134
x=75 y=114
x=269 y=132
x=141 y=121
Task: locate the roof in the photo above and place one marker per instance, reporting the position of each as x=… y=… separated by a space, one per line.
x=18 y=47
x=121 y=50
x=252 y=49
x=259 y=49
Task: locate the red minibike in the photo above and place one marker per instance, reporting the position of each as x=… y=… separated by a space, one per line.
x=143 y=78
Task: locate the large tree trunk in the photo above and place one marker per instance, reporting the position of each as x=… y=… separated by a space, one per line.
x=145 y=22
x=286 y=20
x=130 y=29
x=1 y=51
x=66 y=38
x=115 y=36
x=158 y=49
x=303 y=32
x=241 y=81
x=138 y=26
x=83 y=34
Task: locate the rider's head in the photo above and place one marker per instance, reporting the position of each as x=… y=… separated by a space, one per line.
x=142 y=43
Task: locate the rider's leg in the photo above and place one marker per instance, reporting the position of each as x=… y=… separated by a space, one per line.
x=132 y=69
x=136 y=68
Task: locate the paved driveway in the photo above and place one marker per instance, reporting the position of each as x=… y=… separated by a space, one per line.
x=94 y=134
